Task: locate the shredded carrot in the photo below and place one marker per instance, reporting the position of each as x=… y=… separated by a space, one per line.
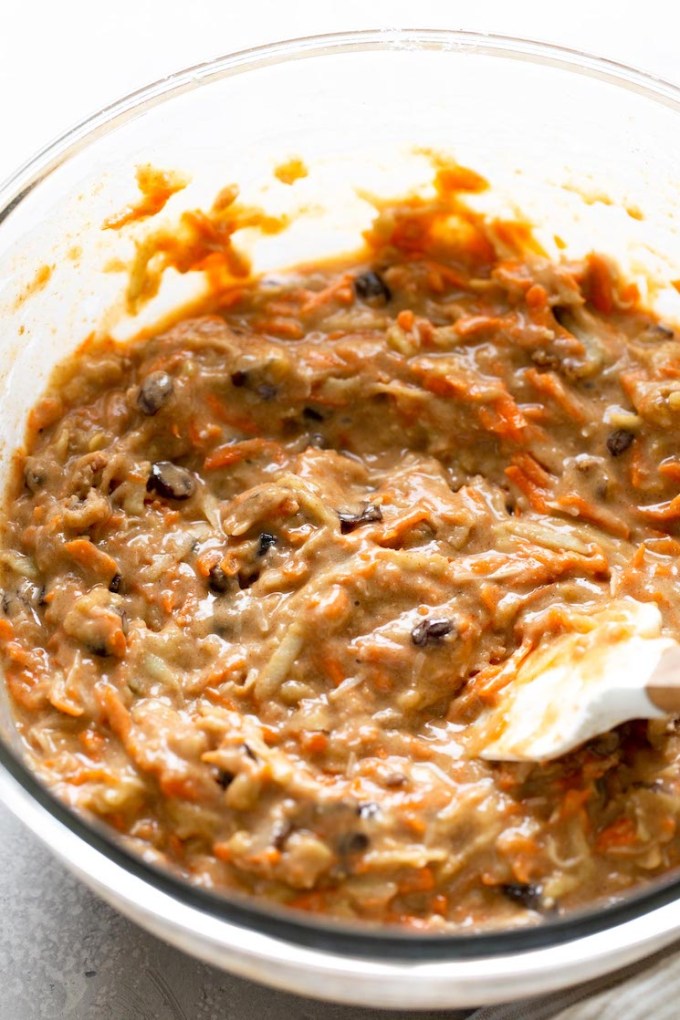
x=222 y=851
x=286 y=329
x=313 y=741
x=663 y=544
x=662 y=512
x=440 y=274
x=550 y=385
x=199 y=432
x=399 y=526
x=176 y=845
x=670 y=469
x=382 y=681
x=471 y=325
x=93 y=741
x=87 y=554
x=620 y=833
x=333 y=669
x=87 y=774
x=339 y=290
x=115 y=711
x=533 y=470
x=640 y=472
x=45 y=413
x=237 y=421
x=574 y=802
x=65 y=704
x=419 y=880
x=183 y=787
x=579 y=507
x=537 y=297
x=313 y=901
x=233 y=453
x=490 y=596
x=517 y=236
x=600 y=285
x=526 y=483
x=439 y=905
x=504 y=418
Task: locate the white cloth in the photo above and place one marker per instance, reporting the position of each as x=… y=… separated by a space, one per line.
x=649 y=990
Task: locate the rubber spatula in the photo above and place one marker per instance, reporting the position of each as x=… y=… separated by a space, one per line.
x=613 y=665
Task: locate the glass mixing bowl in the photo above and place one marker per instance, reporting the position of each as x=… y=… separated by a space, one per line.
x=587 y=150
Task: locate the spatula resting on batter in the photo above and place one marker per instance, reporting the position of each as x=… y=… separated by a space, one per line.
x=614 y=666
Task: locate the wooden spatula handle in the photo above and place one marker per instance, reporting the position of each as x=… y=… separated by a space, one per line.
x=663 y=686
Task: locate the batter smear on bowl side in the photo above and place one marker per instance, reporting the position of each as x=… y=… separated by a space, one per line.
x=261 y=572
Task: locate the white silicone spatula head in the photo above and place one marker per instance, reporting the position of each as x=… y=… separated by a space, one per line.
x=613 y=666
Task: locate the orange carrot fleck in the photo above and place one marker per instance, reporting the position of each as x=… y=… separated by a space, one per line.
x=339 y=290
x=114 y=710
x=405 y=319
x=620 y=833
x=662 y=512
x=237 y=421
x=550 y=385
x=600 y=286
x=313 y=741
x=670 y=469
x=419 y=880
x=579 y=507
x=233 y=453
x=88 y=555
x=286 y=329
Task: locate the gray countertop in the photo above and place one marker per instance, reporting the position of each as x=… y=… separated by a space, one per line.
x=66 y=955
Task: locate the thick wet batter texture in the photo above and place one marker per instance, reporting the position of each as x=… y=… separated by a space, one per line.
x=262 y=571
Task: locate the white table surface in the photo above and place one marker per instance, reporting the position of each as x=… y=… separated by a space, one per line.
x=64 y=955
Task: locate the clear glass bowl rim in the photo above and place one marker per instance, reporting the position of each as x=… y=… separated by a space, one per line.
x=312 y=931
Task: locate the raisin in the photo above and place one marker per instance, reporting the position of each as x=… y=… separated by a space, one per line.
x=563 y=316
x=349 y=521
x=224 y=778
x=239 y=378
x=115 y=583
x=280 y=833
x=524 y=894
x=219 y=582
x=311 y=415
x=619 y=441
x=170 y=481
x=97 y=648
x=154 y=392
x=430 y=630
x=370 y=286
x=353 y=843
x=265 y=542
x=247 y=578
